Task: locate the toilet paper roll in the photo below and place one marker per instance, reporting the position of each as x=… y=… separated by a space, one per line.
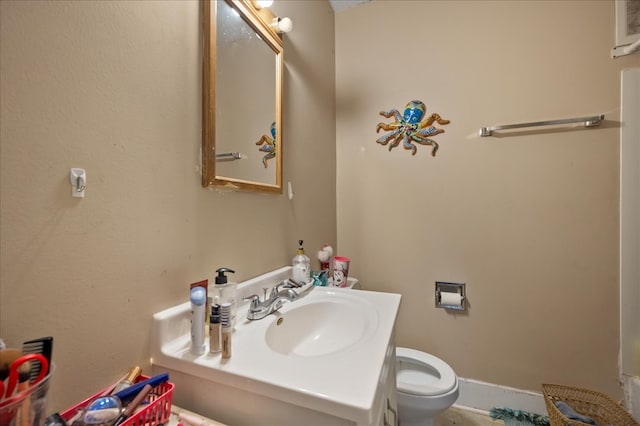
x=451 y=299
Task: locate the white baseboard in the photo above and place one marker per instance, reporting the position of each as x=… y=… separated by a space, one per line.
x=484 y=396
x=481 y=397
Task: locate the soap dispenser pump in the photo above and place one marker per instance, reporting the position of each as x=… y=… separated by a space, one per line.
x=301 y=266
x=224 y=291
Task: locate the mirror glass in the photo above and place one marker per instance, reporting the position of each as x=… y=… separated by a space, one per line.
x=242 y=86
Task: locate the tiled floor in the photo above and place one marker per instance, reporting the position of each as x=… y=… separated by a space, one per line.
x=457 y=416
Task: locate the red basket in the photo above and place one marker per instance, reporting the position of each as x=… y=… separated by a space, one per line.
x=157 y=411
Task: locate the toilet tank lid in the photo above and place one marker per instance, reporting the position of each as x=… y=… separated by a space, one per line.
x=447 y=381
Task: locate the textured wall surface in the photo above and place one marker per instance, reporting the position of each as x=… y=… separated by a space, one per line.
x=528 y=221
x=115 y=88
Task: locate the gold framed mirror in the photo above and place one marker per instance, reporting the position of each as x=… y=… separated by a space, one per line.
x=242 y=98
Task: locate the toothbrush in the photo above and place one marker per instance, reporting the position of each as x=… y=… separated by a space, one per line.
x=129 y=393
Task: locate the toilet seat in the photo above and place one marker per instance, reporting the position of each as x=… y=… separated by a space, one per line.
x=424 y=374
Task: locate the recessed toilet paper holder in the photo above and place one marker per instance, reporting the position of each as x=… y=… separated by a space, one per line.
x=451 y=295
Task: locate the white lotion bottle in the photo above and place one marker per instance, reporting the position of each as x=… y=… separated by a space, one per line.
x=198 y=308
x=301 y=264
x=225 y=292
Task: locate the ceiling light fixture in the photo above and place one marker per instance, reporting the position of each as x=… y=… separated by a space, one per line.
x=282 y=25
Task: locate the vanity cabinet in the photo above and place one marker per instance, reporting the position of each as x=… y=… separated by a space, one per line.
x=239 y=407
x=386 y=405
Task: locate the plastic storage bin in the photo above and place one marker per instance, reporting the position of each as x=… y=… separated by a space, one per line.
x=156 y=412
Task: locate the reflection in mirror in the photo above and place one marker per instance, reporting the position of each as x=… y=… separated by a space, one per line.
x=242 y=86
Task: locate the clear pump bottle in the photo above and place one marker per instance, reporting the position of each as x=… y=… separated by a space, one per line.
x=301 y=266
x=225 y=292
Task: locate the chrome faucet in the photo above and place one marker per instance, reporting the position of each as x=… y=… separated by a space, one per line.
x=260 y=309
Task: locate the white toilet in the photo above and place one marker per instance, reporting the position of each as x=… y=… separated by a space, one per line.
x=426 y=385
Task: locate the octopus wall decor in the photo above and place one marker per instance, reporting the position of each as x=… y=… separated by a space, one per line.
x=268 y=145
x=409 y=128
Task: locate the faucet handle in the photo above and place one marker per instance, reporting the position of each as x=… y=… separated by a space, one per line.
x=293 y=284
x=276 y=288
x=255 y=301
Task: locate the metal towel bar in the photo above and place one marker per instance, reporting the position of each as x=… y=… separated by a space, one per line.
x=588 y=122
x=229 y=156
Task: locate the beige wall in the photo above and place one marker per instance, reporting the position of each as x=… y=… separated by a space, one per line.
x=115 y=88
x=529 y=222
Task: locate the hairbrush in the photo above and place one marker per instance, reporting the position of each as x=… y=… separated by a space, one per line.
x=42 y=346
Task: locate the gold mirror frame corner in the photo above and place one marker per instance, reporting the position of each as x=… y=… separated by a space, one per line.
x=259 y=20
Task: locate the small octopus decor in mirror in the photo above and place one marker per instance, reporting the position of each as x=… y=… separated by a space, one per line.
x=409 y=128
x=268 y=144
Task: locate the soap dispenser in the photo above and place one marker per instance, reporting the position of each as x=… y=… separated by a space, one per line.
x=225 y=292
x=301 y=266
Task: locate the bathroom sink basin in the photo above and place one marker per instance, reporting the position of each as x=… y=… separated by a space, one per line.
x=320 y=327
x=320 y=357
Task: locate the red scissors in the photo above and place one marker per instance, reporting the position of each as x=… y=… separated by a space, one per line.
x=14 y=376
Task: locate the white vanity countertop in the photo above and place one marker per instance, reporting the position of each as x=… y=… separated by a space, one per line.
x=343 y=383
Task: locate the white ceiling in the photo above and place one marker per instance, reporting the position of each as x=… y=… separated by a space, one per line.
x=339 y=5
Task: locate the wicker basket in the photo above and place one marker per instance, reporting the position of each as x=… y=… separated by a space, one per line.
x=586 y=402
